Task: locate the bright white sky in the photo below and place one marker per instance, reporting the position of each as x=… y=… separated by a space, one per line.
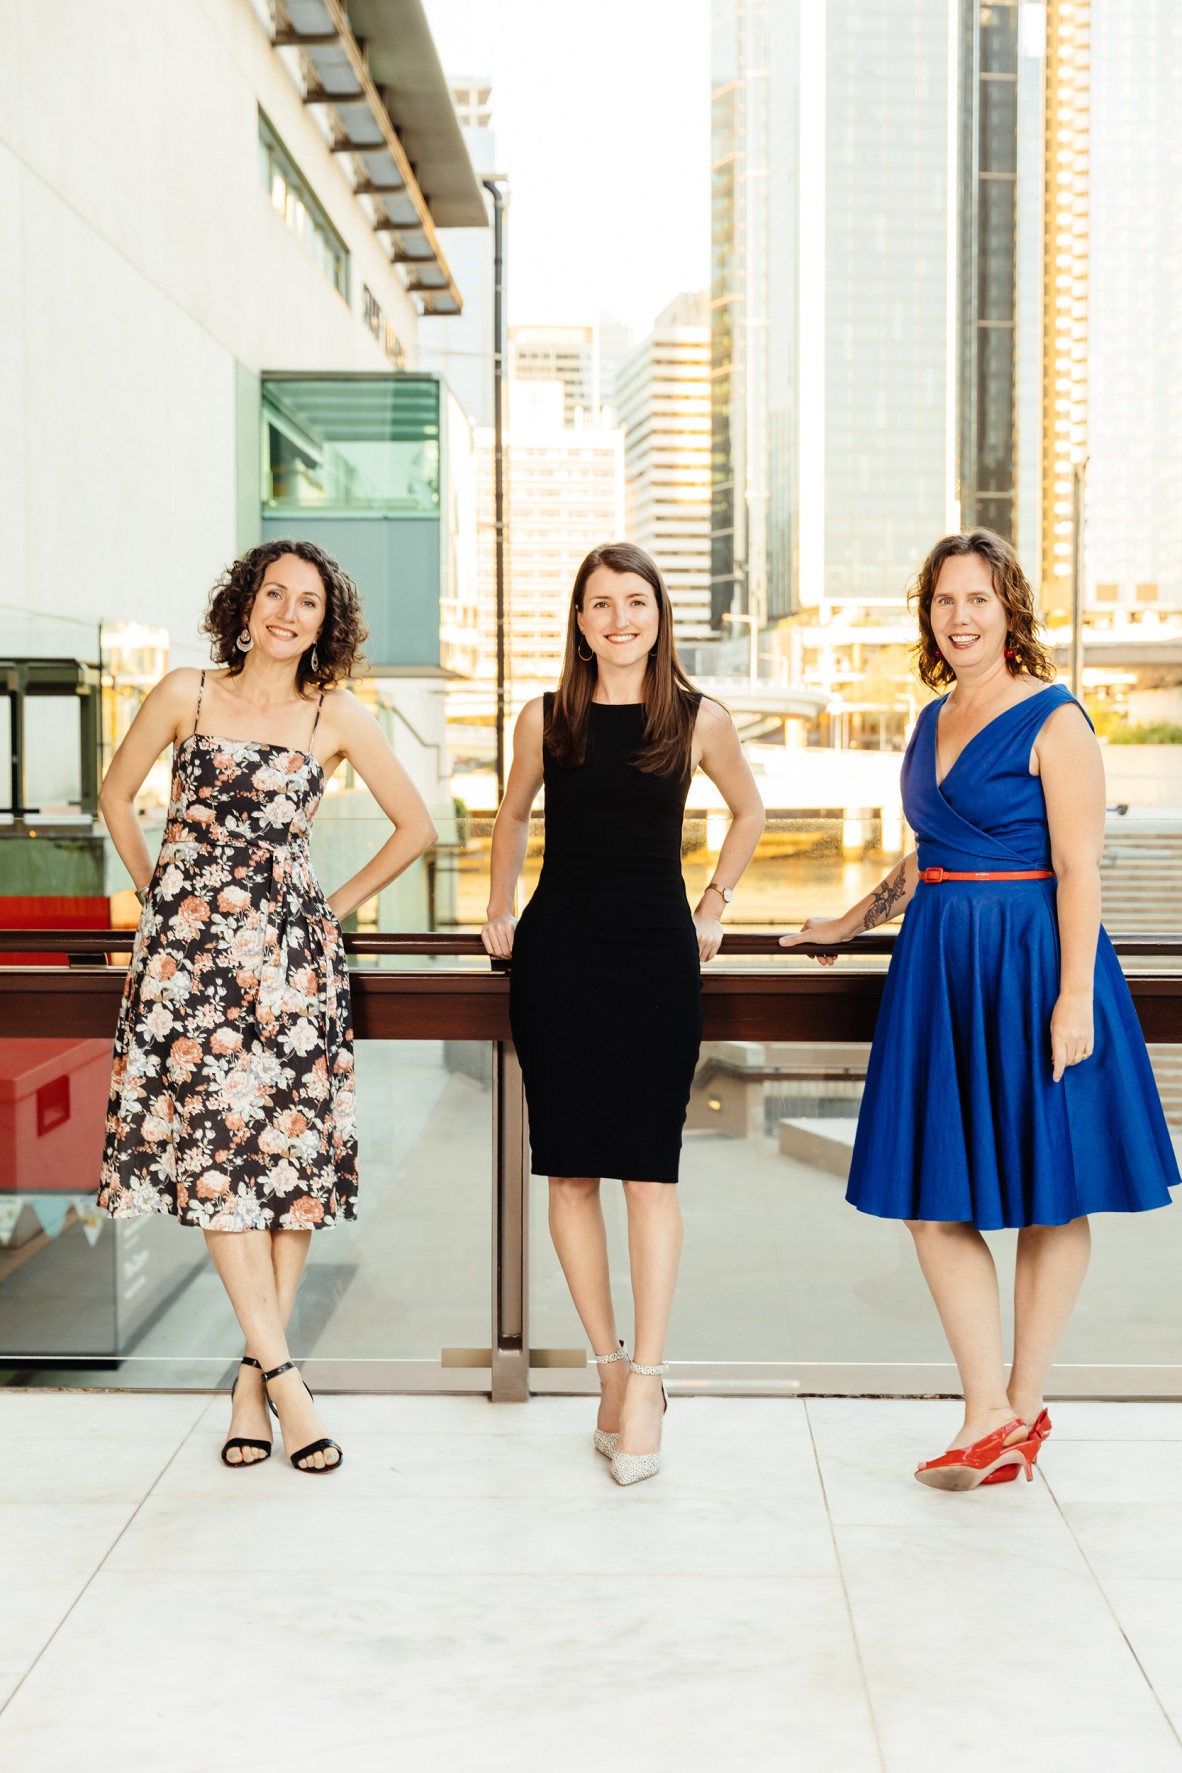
x=602 y=119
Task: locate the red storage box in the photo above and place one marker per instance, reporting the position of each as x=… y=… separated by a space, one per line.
x=53 y=1108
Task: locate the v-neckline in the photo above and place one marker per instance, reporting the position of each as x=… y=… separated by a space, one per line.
x=980 y=733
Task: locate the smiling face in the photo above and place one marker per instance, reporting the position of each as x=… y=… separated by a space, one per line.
x=288 y=610
x=969 y=620
x=619 y=619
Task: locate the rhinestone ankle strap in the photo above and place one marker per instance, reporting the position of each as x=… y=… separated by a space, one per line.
x=651 y=1372
x=605 y=1360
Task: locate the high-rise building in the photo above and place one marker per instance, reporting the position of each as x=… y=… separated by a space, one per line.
x=664 y=405
x=564 y=492
x=835 y=325
x=1134 y=274
x=1001 y=152
x=1065 y=286
x=563 y=354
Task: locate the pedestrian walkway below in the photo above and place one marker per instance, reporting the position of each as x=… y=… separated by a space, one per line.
x=472 y=1593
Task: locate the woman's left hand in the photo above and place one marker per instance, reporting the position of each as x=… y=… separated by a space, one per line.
x=1072 y=1031
x=709 y=930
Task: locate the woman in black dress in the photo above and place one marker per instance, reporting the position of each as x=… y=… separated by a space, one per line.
x=605 y=987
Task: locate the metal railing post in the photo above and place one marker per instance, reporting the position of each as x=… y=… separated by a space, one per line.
x=510 y=1230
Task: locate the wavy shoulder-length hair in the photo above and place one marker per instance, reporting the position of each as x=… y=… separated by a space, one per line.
x=1013 y=592
x=338 y=645
x=670 y=699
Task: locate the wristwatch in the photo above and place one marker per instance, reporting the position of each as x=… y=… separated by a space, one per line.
x=728 y=893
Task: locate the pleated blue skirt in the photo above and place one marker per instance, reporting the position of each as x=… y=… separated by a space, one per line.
x=960 y=1119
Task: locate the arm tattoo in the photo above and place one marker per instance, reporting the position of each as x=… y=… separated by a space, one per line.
x=886 y=894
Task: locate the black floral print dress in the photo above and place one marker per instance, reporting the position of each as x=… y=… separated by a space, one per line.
x=232 y=1099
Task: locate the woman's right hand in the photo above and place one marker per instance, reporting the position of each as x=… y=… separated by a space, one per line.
x=818 y=929
x=497 y=935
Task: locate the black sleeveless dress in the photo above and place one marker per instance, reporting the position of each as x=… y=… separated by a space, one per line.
x=605 y=988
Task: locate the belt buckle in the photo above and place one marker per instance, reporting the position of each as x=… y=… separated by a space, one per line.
x=932 y=876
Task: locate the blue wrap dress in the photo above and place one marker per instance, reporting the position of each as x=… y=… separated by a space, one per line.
x=960 y=1119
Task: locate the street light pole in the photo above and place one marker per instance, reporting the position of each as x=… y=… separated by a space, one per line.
x=494 y=187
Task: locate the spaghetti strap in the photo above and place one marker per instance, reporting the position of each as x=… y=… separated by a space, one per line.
x=200 y=693
x=315 y=724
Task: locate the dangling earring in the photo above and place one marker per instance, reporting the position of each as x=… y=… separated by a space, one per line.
x=1011 y=649
x=244 y=642
x=586 y=657
x=315 y=661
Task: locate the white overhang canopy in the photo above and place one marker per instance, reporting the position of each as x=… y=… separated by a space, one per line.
x=373 y=66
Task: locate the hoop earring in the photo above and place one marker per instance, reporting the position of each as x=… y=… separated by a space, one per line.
x=586 y=657
x=653 y=654
x=244 y=641
x=315 y=660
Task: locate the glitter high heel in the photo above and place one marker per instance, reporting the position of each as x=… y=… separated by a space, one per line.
x=633 y=1468
x=605 y=1441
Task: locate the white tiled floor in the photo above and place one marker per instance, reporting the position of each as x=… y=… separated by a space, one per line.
x=472 y=1593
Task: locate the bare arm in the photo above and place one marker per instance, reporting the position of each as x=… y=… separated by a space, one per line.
x=890 y=898
x=1072 y=772
x=511 y=830
x=721 y=757
x=165 y=717
x=356 y=735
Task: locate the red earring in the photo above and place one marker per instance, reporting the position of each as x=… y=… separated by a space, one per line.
x=1011 y=652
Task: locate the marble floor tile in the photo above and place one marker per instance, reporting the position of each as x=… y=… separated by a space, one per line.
x=459 y=1672
x=61 y=1415
x=88 y=1469
x=48 y=1539
x=33 y=1606
x=274 y=1522
x=1123 y=1538
x=1150 y=1615
x=868 y=1461
x=556 y=1466
x=960 y=1638
x=1080 y=1420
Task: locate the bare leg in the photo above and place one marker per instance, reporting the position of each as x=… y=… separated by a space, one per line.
x=243 y=1260
x=576 y=1226
x=248 y=1414
x=958 y=1268
x=655 y=1238
x=1052 y=1262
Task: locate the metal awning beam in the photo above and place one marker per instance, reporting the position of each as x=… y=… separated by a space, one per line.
x=387 y=141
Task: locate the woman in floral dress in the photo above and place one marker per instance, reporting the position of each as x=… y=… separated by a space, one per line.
x=232 y=1102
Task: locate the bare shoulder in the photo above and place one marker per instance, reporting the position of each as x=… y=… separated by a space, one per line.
x=532 y=718
x=712 y=716
x=177 y=692
x=1065 y=743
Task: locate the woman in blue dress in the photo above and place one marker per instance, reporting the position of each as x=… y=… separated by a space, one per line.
x=1008 y=1084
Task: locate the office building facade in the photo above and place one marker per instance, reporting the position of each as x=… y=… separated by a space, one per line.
x=664 y=407
x=140 y=329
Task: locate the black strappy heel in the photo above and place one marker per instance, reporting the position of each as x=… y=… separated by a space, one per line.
x=238 y=1440
x=323 y=1446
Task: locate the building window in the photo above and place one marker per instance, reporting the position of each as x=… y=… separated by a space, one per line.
x=292 y=197
x=1107 y=594
x=1146 y=593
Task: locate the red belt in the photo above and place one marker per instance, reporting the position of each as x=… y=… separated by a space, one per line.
x=933 y=876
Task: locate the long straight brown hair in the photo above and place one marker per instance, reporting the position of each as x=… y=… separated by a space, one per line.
x=670 y=699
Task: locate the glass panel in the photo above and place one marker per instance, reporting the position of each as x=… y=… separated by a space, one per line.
x=137 y=1300
x=351 y=443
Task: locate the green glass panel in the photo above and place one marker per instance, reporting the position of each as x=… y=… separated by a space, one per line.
x=351 y=443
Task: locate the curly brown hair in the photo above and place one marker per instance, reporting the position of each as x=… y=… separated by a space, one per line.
x=1013 y=592
x=342 y=634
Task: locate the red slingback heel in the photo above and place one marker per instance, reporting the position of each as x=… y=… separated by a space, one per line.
x=964 y=1468
x=1038 y=1434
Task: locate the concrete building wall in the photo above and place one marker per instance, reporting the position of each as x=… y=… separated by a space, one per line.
x=145 y=274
